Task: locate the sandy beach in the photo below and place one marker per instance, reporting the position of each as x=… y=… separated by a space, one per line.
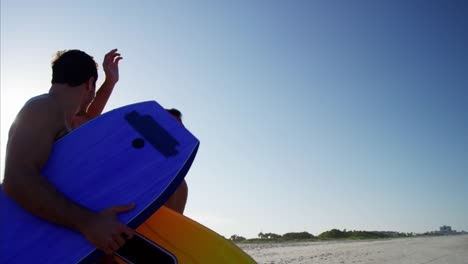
x=418 y=250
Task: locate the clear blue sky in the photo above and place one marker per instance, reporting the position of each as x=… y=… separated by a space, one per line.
x=312 y=115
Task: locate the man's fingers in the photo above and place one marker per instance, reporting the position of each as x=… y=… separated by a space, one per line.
x=119 y=240
x=117 y=60
x=122 y=208
x=110 y=60
x=114 y=246
x=128 y=232
x=109 y=57
x=115 y=57
x=110 y=52
x=107 y=250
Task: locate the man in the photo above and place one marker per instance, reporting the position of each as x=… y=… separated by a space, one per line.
x=179 y=198
x=41 y=121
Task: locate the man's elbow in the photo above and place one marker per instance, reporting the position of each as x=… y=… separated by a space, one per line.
x=10 y=186
x=7 y=186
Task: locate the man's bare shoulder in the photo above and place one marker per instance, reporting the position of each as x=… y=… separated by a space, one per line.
x=42 y=110
x=41 y=103
x=43 y=107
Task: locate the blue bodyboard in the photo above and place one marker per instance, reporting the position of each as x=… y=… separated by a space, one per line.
x=137 y=153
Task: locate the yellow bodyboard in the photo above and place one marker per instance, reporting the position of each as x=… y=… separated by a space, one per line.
x=189 y=241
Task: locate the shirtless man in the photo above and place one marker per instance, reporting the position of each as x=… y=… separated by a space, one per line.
x=93 y=108
x=41 y=121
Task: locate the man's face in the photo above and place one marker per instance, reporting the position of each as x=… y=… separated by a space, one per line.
x=89 y=96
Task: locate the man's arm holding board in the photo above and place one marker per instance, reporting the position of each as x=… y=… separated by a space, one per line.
x=30 y=143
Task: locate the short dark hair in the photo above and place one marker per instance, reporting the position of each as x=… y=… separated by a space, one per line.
x=73 y=67
x=175 y=113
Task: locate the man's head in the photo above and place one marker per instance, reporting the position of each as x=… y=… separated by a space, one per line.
x=176 y=114
x=75 y=68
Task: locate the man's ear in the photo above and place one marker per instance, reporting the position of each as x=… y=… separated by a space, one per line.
x=90 y=83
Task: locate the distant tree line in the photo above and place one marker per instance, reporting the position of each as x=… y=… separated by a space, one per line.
x=237 y=238
x=338 y=234
x=276 y=237
x=327 y=235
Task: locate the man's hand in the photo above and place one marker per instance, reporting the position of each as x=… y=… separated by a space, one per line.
x=105 y=231
x=111 y=66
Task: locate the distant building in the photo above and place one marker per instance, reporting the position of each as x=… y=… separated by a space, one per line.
x=446 y=230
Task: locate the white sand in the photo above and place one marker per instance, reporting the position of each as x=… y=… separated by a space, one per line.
x=419 y=250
